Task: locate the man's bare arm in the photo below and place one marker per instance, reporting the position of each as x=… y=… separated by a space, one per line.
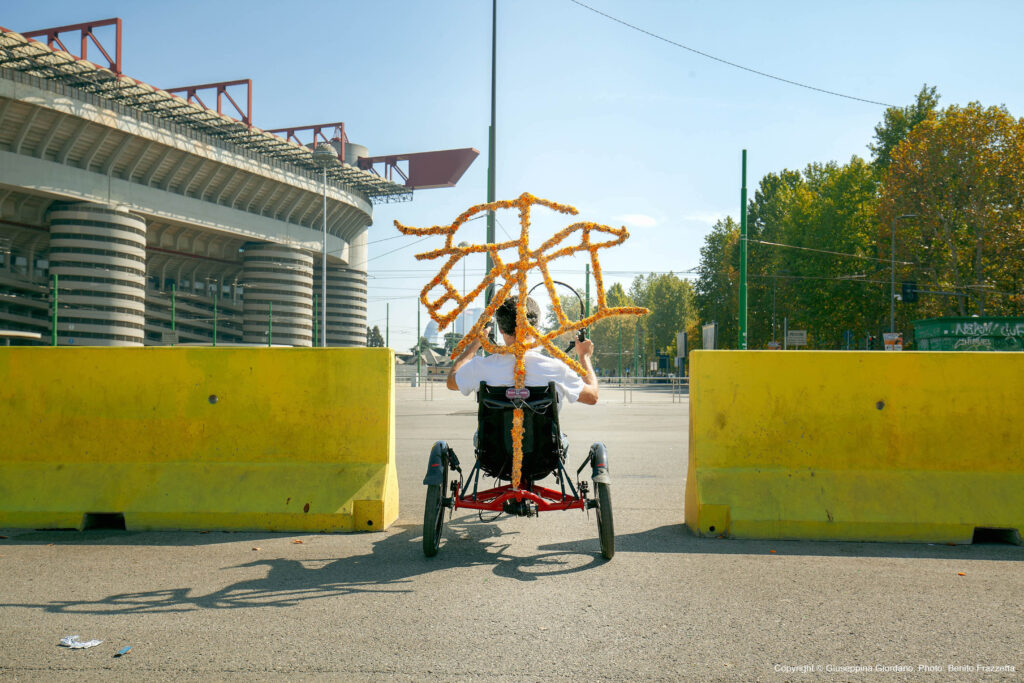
x=463 y=358
x=588 y=396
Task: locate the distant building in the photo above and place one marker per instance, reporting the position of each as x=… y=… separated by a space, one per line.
x=466 y=320
x=431 y=334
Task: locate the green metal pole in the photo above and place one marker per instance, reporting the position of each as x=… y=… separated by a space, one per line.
x=491 y=135
x=586 y=302
x=173 y=327
x=620 y=350
x=636 y=356
x=215 y=317
x=743 y=256
x=270 y=323
x=418 y=349
x=387 y=325
x=315 y=337
x=55 y=309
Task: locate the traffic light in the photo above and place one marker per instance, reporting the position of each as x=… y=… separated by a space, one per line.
x=909 y=291
x=872 y=340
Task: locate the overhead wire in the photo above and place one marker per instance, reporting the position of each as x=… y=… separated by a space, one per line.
x=727 y=62
x=385 y=239
x=404 y=246
x=827 y=251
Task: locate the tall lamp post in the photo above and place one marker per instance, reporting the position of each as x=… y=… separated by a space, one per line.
x=892 y=272
x=324 y=156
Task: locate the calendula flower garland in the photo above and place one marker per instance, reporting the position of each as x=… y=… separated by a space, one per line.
x=514 y=275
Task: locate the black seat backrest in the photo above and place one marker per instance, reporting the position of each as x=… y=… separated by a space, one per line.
x=541 y=437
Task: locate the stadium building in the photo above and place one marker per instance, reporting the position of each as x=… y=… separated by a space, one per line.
x=132 y=215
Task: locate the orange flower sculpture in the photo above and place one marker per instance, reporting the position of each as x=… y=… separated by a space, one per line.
x=513 y=275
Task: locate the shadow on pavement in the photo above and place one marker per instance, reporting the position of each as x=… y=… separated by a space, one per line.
x=142 y=538
x=394 y=561
x=677 y=538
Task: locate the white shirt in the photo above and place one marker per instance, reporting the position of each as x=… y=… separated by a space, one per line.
x=498 y=370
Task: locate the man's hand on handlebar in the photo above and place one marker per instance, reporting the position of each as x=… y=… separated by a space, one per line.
x=584 y=349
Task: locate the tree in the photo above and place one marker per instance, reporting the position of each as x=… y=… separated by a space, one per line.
x=671 y=302
x=960 y=174
x=831 y=283
x=451 y=340
x=571 y=308
x=897 y=123
x=374 y=338
x=606 y=335
x=716 y=290
x=807 y=230
x=820 y=239
x=767 y=216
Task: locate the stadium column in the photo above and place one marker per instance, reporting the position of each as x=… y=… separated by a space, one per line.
x=279 y=277
x=99 y=253
x=346 y=296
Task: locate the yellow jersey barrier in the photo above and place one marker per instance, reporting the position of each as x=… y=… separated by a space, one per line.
x=866 y=446
x=198 y=438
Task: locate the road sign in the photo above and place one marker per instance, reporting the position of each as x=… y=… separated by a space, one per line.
x=796 y=338
x=709 y=333
x=681 y=345
x=893 y=341
x=775 y=346
x=169 y=337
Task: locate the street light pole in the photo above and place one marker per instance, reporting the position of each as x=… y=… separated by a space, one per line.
x=323 y=274
x=324 y=271
x=463 y=245
x=324 y=155
x=491 y=135
x=892 y=272
x=743 y=258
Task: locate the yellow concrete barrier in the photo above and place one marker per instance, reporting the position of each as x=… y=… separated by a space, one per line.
x=198 y=438
x=870 y=446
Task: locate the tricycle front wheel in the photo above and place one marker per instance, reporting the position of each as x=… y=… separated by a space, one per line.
x=433 y=520
x=605 y=522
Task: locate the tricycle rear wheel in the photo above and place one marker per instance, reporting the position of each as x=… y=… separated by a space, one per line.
x=433 y=520
x=605 y=522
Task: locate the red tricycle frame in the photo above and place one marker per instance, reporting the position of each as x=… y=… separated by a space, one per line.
x=494 y=499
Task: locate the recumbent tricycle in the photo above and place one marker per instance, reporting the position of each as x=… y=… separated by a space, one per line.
x=544 y=453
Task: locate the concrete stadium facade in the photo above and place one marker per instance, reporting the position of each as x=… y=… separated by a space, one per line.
x=141 y=212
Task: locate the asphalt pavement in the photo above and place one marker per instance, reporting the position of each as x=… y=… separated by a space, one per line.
x=512 y=599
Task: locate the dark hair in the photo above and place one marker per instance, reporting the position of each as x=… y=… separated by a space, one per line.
x=506 y=314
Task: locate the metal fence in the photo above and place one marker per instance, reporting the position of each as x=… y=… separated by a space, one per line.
x=624 y=389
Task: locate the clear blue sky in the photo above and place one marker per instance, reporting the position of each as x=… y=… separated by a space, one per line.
x=625 y=127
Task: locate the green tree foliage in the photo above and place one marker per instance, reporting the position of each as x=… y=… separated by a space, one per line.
x=765 y=219
x=955 y=176
x=673 y=309
x=717 y=288
x=670 y=300
x=373 y=337
x=831 y=284
x=961 y=174
x=612 y=334
x=451 y=340
x=897 y=123
x=823 y=287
